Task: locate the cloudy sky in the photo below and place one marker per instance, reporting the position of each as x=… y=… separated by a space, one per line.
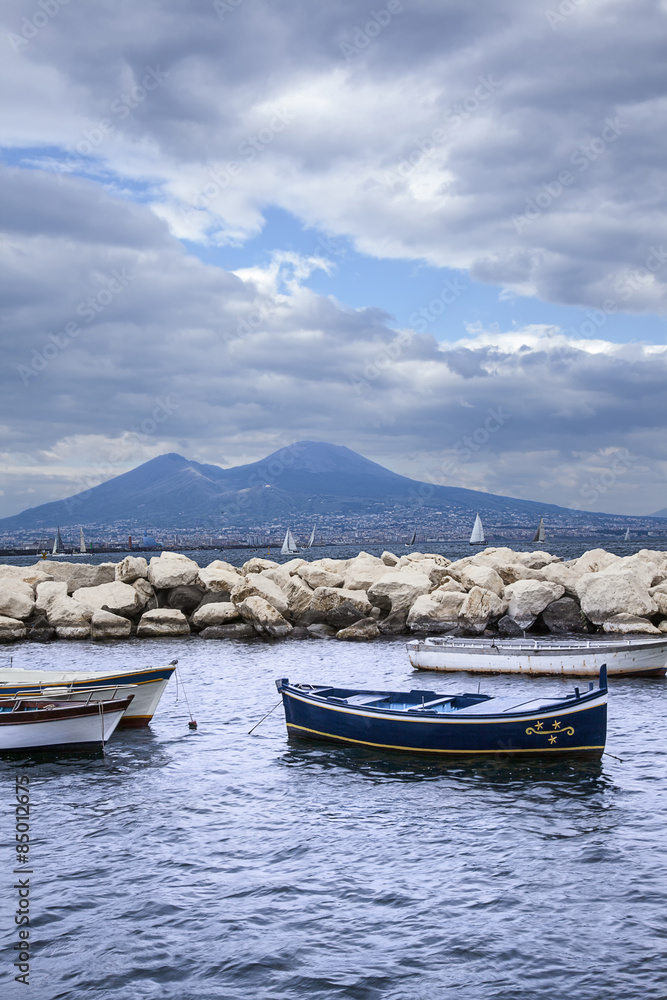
x=431 y=230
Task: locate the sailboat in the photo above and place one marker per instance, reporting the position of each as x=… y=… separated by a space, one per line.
x=311 y=539
x=412 y=540
x=56 y=551
x=289 y=545
x=477 y=537
x=82 y=544
x=626 y=536
x=540 y=534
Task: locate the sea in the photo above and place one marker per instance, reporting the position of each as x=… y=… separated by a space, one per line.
x=228 y=862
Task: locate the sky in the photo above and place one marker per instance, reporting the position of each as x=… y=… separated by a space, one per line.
x=429 y=230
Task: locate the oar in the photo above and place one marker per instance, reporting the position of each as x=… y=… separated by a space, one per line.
x=264 y=717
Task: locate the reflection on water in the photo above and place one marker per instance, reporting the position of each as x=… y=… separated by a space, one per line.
x=214 y=865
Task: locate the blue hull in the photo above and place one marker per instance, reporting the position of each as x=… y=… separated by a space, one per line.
x=574 y=726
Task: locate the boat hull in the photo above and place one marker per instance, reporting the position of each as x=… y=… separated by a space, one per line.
x=62 y=726
x=623 y=659
x=577 y=729
x=75 y=685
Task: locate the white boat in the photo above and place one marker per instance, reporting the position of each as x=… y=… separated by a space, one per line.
x=45 y=724
x=56 y=551
x=477 y=537
x=289 y=545
x=567 y=657
x=147 y=686
x=412 y=539
x=540 y=533
x=82 y=544
x=311 y=539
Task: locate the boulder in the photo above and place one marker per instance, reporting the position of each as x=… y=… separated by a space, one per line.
x=315 y=576
x=73 y=631
x=298 y=596
x=624 y=624
x=162 y=622
x=172 y=569
x=508 y=627
x=104 y=625
x=605 y=594
x=264 y=617
x=362 y=573
x=321 y=631
x=565 y=616
x=219 y=575
x=511 y=572
x=256 y=565
x=594 y=560
x=660 y=600
x=279 y=575
x=479 y=607
x=361 y=631
x=185 y=599
x=345 y=614
x=527 y=598
x=145 y=593
x=66 y=612
x=48 y=591
x=234 y=630
x=567 y=576
x=11 y=629
x=537 y=559
x=40 y=630
x=389 y=559
x=27 y=574
x=436 y=612
x=17 y=599
x=77 y=575
x=484 y=577
x=327 y=599
x=215 y=614
x=398 y=589
x=118 y=598
x=394 y=624
x=132 y=568
x=449 y=585
x=662 y=626
x=292 y=565
x=257 y=585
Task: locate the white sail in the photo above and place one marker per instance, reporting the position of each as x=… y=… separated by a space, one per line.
x=540 y=533
x=477 y=537
x=311 y=539
x=626 y=536
x=412 y=540
x=54 y=550
x=82 y=544
x=289 y=545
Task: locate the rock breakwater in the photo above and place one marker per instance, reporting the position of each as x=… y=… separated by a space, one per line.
x=497 y=591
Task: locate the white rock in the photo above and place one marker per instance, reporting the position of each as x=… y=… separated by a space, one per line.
x=17 y=599
x=292 y=565
x=104 y=625
x=527 y=598
x=215 y=614
x=389 y=559
x=263 y=617
x=662 y=626
x=11 y=629
x=144 y=591
x=537 y=559
x=398 y=589
x=256 y=565
x=479 y=606
x=327 y=599
x=257 y=585
x=279 y=575
x=315 y=576
x=67 y=612
x=435 y=612
x=595 y=560
x=48 y=591
x=73 y=631
x=361 y=631
x=27 y=574
x=298 y=596
x=567 y=576
x=172 y=569
x=450 y=585
x=624 y=624
x=603 y=595
x=132 y=568
x=162 y=622
x=484 y=577
x=220 y=575
x=78 y=575
x=118 y=598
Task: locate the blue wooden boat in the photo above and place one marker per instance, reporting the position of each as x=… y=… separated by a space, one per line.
x=435 y=723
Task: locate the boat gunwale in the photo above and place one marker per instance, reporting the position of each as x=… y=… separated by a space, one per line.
x=549 y=647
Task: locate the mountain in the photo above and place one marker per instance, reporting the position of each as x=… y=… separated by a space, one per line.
x=660 y=513
x=307 y=480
